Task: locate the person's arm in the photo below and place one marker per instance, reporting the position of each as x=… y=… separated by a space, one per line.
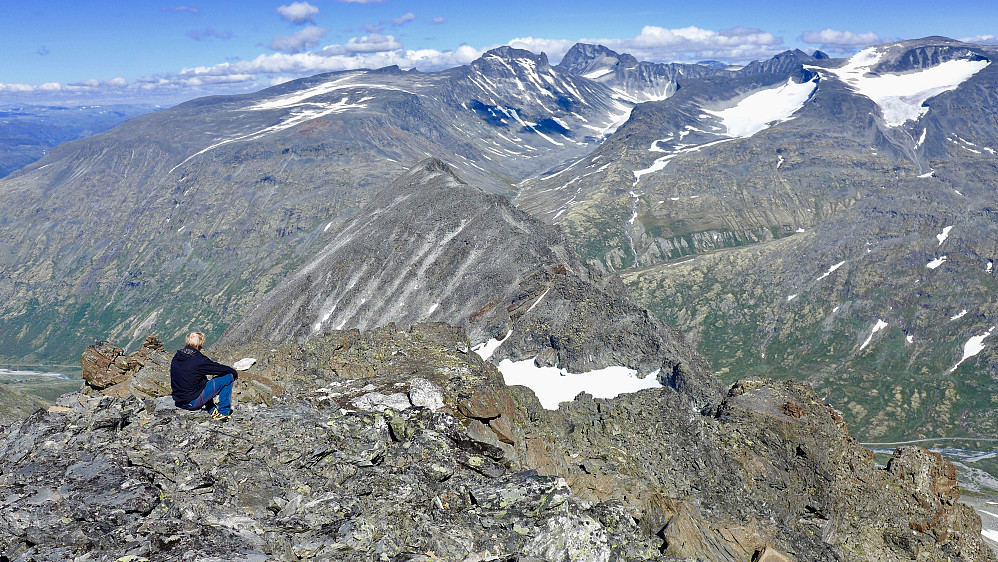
x=217 y=369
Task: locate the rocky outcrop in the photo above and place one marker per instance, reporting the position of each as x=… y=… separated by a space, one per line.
x=320 y=473
x=105 y=365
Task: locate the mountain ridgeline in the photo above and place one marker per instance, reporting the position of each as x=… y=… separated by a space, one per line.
x=824 y=219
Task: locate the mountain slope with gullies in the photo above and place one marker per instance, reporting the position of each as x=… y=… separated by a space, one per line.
x=400 y=444
x=744 y=157
x=886 y=301
x=185 y=216
x=432 y=248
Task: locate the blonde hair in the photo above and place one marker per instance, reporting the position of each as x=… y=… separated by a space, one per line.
x=195 y=340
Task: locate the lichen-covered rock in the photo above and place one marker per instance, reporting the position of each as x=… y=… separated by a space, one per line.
x=774 y=475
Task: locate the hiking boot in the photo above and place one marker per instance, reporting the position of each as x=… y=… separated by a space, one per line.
x=218 y=416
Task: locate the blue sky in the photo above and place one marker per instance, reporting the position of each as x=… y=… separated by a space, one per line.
x=101 y=51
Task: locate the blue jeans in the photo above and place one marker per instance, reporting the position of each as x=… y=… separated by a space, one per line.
x=218 y=386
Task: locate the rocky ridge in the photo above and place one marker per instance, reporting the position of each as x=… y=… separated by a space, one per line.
x=434 y=248
x=399 y=444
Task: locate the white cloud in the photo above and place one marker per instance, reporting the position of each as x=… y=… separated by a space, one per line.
x=841 y=41
x=298 y=13
x=438 y=19
x=658 y=44
x=403 y=19
x=553 y=48
x=16 y=88
x=305 y=38
x=308 y=63
x=360 y=1
x=374 y=43
x=181 y=9
x=981 y=39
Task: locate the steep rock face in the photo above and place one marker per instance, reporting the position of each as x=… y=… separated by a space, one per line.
x=326 y=471
x=433 y=248
x=638 y=80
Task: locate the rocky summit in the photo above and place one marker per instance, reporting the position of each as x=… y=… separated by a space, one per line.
x=400 y=444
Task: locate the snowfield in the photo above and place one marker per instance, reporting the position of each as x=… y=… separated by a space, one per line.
x=762 y=109
x=900 y=96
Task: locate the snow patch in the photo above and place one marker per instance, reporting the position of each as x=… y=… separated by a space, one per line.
x=990 y=266
x=958 y=315
x=554 y=386
x=327 y=226
x=486 y=349
x=909 y=338
x=791 y=297
x=927 y=174
x=973 y=346
x=900 y=96
x=831 y=270
x=762 y=109
x=880 y=325
x=942 y=236
x=597 y=73
x=936 y=262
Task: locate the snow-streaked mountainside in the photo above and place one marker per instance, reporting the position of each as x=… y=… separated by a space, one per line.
x=802 y=216
x=225 y=195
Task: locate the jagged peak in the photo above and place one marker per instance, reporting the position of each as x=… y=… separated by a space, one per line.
x=506 y=52
x=581 y=55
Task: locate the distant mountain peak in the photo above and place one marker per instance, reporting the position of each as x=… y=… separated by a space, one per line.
x=585 y=57
x=433 y=166
x=512 y=53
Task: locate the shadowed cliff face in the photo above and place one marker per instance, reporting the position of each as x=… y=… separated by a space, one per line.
x=433 y=248
x=401 y=443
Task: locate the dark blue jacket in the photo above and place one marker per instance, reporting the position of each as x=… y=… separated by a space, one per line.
x=189 y=371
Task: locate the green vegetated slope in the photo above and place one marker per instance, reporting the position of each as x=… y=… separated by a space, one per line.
x=806 y=306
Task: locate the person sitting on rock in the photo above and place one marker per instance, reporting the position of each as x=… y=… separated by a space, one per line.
x=192 y=389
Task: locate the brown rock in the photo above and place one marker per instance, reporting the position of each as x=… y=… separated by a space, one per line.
x=486 y=403
x=770 y=554
x=793 y=409
x=154 y=343
x=502 y=428
x=99 y=365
